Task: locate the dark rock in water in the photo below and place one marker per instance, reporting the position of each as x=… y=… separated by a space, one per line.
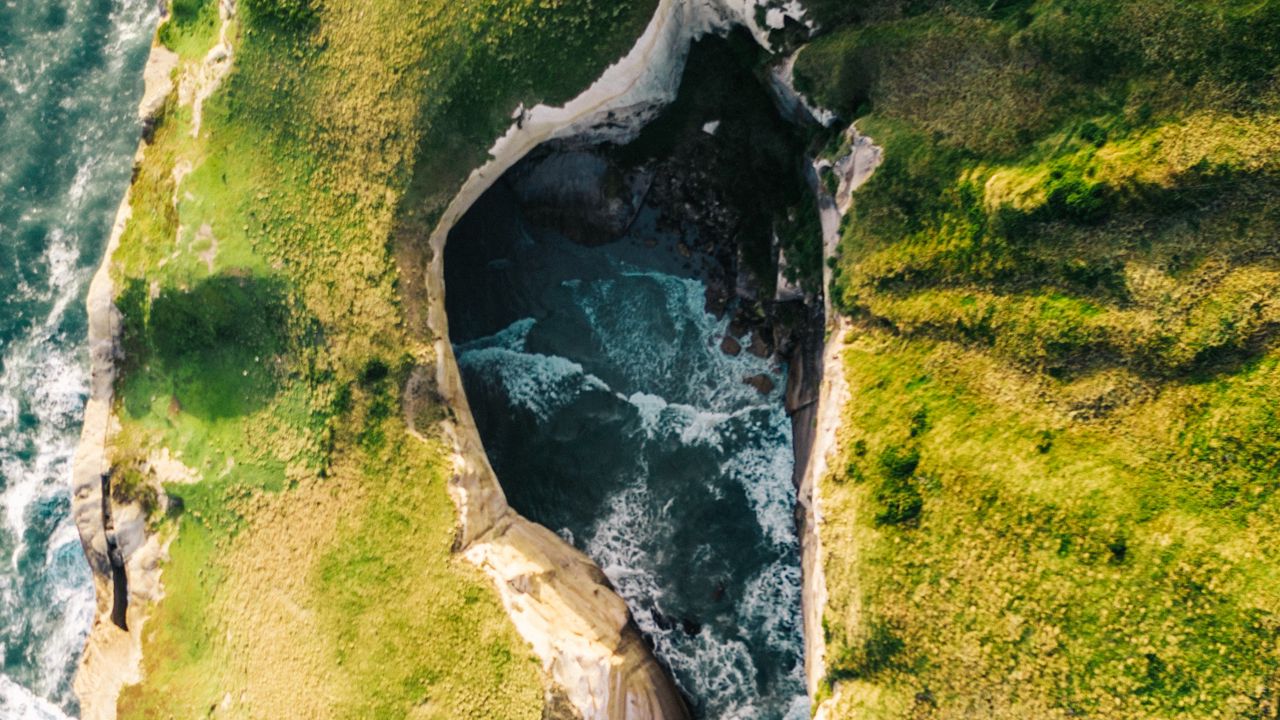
x=762 y=383
x=691 y=627
x=717 y=296
x=662 y=621
x=730 y=346
x=580 y=194
x=759 y=345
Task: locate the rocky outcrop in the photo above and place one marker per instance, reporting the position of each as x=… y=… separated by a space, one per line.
x=113 y=535
x=853 y=169
x=123 y=552
x=579 y=193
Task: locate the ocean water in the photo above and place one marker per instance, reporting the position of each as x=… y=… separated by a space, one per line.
x=612 y=416
x=70 y=80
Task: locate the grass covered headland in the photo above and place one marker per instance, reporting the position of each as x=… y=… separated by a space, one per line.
x=1056 y=496
x=1058 y=488
x=267 y=339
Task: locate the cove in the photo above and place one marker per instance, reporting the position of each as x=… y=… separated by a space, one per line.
x=630 y=352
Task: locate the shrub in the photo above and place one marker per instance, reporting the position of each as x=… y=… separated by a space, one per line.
x=899 y=463
x=289 y=15
x=128 y=485
x=187 y=17
x=896 y=494
x=223 y=311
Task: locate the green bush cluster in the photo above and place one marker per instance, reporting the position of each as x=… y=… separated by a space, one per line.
x=286 y=15
x=129 y=485
x=189 y=22
x=898 y=499
x=223 y=311
x=213 y=347
x=876 y=652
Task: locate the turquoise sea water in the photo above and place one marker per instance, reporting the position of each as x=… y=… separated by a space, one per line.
x=70 y=80
x=612 y=416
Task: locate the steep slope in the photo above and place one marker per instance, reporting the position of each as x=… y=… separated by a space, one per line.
x=1054 y=493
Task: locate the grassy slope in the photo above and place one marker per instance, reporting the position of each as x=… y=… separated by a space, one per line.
x=266 y=342
x=1061 y=459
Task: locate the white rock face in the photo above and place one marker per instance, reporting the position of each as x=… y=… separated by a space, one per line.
x=852 y=170
x=795 y=104
x=112 y=657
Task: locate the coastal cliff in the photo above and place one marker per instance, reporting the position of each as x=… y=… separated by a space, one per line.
x=112 y=533
x=561 y=603
x=596 y=661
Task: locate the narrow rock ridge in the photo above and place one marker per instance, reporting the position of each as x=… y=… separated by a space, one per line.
x=113 y=534
x=852 y=170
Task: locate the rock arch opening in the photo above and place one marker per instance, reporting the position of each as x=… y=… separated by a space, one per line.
x=637 y=329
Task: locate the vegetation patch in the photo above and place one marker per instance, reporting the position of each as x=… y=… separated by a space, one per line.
x=1060 y=279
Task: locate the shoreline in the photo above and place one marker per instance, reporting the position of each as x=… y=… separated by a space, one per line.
x=112 y=656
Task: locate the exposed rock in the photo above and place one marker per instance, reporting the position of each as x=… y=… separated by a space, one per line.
x=158 y=83
x=730 y=346
x=717 y=295
x=112 y=657
x=821 y=424
x=579 y=194
x=762 y=383
x=804 y=373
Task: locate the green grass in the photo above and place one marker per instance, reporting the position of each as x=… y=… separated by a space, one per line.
x=1054 y=567
x=191 y=28
x=1063 y=287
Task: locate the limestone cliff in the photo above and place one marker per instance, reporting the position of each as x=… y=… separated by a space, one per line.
x=113 y=535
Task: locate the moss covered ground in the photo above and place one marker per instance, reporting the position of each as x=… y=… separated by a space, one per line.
x=267 y=335
x=1057 y=492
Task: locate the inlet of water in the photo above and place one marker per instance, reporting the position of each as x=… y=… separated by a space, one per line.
x=624 y=356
